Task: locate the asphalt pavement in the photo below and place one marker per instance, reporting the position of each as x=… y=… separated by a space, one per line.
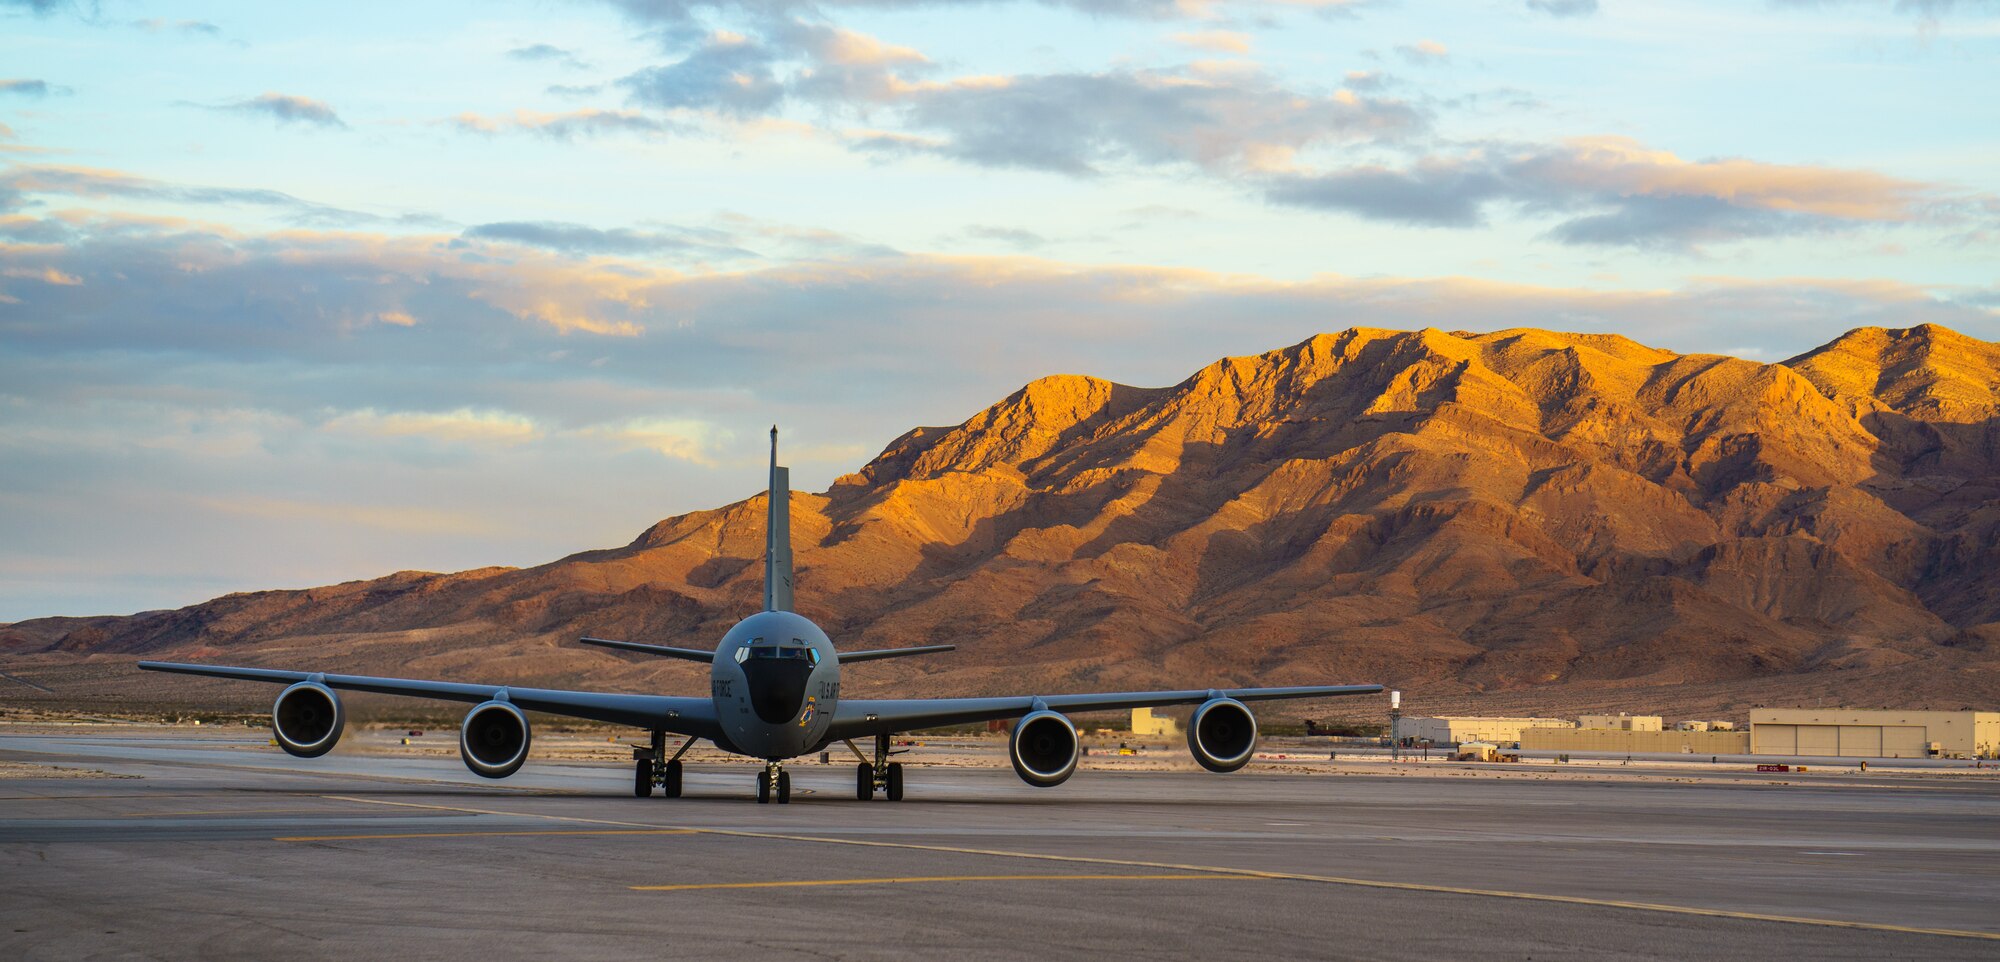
x=222 y=848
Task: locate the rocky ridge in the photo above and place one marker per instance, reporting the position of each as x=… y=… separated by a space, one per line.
x=1548 y=519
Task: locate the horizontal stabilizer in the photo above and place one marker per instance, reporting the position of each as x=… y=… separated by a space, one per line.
x=879 y=653
x=690 y=654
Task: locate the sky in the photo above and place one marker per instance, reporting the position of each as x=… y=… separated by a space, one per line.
x=295 y=293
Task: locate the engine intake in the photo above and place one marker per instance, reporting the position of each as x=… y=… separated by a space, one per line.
x=1222 y=735
x=307 y=719
x=494 y=739
x=1044 y=748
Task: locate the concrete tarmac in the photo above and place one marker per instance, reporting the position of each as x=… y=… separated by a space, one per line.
x=224 y=849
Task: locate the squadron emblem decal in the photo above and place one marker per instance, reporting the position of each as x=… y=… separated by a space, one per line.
x=812 y=708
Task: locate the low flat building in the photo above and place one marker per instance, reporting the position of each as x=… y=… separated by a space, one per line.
x=1635 y=742
x=1457 y=729
x=1144 y=722
x=1621 y=722
x=1862 y=733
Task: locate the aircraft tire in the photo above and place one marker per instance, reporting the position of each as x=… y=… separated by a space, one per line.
x=763 y=789
x=784 y=788
x=642 y=778
x=672 y=789
x=864 y=782
x=895 y=781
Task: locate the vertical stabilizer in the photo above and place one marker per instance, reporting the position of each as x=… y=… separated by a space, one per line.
x=778 y=536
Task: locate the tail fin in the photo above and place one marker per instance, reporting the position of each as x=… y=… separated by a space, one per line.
x=778 y=536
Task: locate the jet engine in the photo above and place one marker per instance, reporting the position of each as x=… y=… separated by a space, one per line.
x=1044 y=748
x=307 y=719
x=494 y=739
x=1222 y=735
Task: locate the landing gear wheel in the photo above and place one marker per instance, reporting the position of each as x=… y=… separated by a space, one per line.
x=763 y=787
x=642 y=778
x=784 y=788
x=864 y=781
x=672 y=788
x=895 y=791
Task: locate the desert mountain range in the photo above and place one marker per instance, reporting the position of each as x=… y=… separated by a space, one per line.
x=1514 y=521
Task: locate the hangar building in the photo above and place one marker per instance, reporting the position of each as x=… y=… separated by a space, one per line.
x=1458 y=729
x=1858 y=733
x=1636 y=741
x=1621 y=722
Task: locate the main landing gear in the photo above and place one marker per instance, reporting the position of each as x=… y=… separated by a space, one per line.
x=880 y=775
x=648 y=770
x=774 y=780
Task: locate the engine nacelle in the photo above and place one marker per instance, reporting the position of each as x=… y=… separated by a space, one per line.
x=494 y=739
x=307 y=719
x=1222 y=735
x=1044 y=748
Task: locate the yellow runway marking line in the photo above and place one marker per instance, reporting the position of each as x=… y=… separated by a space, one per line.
x=580 y=831
x=1399 y=886
x=924 y=879
x=1255 y=873
x=489 y=811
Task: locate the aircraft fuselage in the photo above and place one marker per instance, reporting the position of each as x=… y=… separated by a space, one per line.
x=775 y=682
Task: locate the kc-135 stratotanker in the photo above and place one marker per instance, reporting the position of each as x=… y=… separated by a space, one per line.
x=774 y=694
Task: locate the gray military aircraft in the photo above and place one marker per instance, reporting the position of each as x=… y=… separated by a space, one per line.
x=774 y=694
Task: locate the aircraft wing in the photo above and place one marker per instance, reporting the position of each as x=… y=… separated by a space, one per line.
x=682 y=716
x=860 y=718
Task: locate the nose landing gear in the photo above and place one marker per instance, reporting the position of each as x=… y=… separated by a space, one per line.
x=774 y=780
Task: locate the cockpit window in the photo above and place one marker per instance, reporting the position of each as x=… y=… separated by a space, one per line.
x=782 y=652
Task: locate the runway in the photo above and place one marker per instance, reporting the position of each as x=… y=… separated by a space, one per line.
x=224 y=849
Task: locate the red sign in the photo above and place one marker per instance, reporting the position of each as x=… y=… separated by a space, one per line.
x=1774 y=768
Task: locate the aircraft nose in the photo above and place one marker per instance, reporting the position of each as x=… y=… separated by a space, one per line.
x=777 y=687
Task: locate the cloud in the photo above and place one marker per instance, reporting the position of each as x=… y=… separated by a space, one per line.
x=158 y=25
x=1012 y=236
x=683 y=12
x=697 y=442
x=1366 y=81
x=1617 y=192
x=579 y=239
x=1564 y=8
x=288 y=109
x=320 y=299
x=1220 y=41
x=1429 y=193
x=1220 y=117
x=563 y=126
x=1928 y=10
x=25 y=88
x=463 y=425
x=547 y=53
x=730 y=74
x=1424 y=52
x=26 y=180
x=47 y=275
x=1078 y=123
